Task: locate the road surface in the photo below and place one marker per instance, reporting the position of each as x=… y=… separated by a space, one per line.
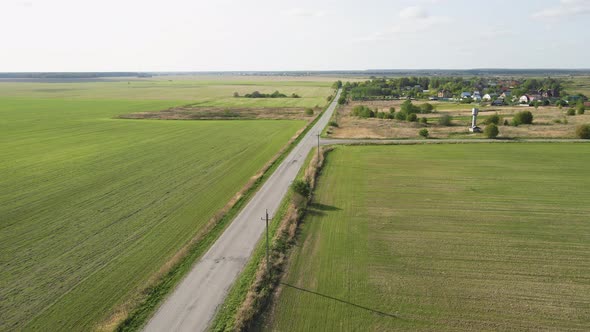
x=194 y=302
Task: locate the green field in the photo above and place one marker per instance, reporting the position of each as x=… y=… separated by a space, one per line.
x=451 y=237
x=92 y=206
x=199 y=91
x=578 y=84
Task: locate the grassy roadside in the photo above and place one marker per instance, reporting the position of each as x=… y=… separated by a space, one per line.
x=151 y=296
x=254 y=289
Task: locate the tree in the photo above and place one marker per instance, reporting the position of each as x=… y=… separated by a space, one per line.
x=491 y=131
x=495 y=119
x=411 y=117
x=426 y=108
x=424 y=120
x=341 y=100
x=580 y=107
x=337 y=85
x=363 y=112
x=583 y=131
x=301 y=187
x=236 y=94
x=424 y=133
x=524 y=117
x=308 y=111
x=400 y=116
x=445 y=120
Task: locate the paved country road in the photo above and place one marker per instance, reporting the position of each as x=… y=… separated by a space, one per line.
x=194 y=302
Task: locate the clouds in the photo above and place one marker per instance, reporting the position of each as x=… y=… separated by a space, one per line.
x=413 y=13
x=565 y=8
x=411 y=20
x=302 y=12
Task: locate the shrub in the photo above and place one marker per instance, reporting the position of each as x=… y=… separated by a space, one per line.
x=400 y=116
x=391 y=116
x=561 y=103
x=426 y=108
x=580 y=108
x=424 y=120
x=363 y=112
x=294 y=95
x=491 y=131
x=571 y=112
x=411 y=117
x=341 y=100
x=506 y=123
x=391 y=110
x=583 y=131
x=236 y=94
x=333 y=124
x=445 y=120
x=524 y=117
x=301 y=187
x=308 y=111
x=495 y=119
x=424 y=132
x=408 y=107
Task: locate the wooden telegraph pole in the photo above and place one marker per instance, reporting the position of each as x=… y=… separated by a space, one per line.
x=267 y=244
x=318 y=161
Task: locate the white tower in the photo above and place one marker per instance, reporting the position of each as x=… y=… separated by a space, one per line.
x=474 y=128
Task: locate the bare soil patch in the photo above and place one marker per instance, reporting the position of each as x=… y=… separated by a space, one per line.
x=217 y=113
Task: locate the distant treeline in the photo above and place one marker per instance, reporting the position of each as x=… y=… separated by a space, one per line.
x=73 y=75
x=276 y=94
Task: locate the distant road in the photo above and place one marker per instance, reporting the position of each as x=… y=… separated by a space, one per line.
x=193 y=304
x=360 y=141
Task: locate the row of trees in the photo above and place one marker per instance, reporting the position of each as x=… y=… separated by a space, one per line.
x=413 y=87
x=257 y=94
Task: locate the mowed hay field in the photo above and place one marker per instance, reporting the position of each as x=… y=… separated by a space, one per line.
x=92 y=206
x=451 y=237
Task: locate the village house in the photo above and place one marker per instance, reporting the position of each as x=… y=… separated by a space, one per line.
x=465 y=95
x=444 y=94
x=527 y=99
x=489 y=96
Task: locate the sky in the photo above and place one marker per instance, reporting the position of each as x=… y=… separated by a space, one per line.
x=228 y=35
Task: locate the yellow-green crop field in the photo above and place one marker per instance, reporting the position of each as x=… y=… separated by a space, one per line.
x=459 y=237
x=92 y=206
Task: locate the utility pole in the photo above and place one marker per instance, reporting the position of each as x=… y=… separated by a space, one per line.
x=318 y=135
x=267 y=244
